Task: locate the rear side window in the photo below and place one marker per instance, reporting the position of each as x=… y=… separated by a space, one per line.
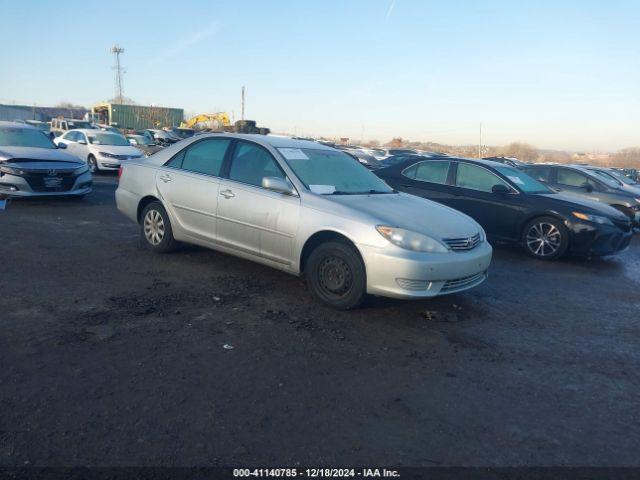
x=542 y=174
x=204 y=157
x=477 y=178
x=251 y=163
x=428 y=171
x=571 y=178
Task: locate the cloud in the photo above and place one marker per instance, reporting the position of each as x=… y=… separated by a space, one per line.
x=390 y=9
x=184 y=44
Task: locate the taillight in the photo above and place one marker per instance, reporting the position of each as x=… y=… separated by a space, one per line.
x=119 y=172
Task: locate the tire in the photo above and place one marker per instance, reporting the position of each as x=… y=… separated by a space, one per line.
x=336 y=275
x=155 y=229
x=545 y=238
x=93 y=164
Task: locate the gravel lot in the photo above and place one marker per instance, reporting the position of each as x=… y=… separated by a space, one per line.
x=112 y=355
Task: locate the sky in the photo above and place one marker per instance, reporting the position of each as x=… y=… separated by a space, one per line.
x=556 y=74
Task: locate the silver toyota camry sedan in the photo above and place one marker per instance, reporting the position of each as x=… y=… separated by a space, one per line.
x=304 y=208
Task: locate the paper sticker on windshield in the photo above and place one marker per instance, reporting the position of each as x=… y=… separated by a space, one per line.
x=293 y=154
x=322 y=189
x=3 y=204
x=515 y=180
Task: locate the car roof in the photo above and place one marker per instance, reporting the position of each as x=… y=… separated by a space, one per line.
x=93 y=130
x=273 y=141
x=5 y=124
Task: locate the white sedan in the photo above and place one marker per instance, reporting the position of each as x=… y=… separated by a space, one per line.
x=101 y=150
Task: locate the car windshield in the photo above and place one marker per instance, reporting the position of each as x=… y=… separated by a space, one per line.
x=617 y=176
x=523 y=181
x=39 y=125
x=105 y=138
x=604 y=178
x=401 y=151
x=141 y=140
x=78 y=124
x=331 y=172
x=24 y=137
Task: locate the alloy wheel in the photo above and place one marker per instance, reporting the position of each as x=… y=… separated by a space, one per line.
x=543 y=239
x=154 y=227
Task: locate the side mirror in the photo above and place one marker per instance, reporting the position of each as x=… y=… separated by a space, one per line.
x=82 y=142
x=62 y=145
x=587 y=186
x=500 y=188
x=277 y=184
x=132 y=141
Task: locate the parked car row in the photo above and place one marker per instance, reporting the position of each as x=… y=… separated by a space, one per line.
x=414 y=227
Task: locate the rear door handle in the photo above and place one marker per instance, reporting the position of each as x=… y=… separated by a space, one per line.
x=227 y=193
x=165 y=178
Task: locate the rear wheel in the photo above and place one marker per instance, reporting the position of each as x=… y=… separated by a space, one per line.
x=545 y=238
x=336 y=275
x=93 y=164
x=156 y=229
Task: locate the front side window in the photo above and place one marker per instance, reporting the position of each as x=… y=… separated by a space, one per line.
x=205 y=157
x=428 y=171
x=251 y=163
x=328 y=171
x=477 y=178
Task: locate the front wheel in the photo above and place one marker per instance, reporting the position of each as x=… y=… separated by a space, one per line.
x=545 y=238
x=336 y=275
x=156 y=229
x=93 y=164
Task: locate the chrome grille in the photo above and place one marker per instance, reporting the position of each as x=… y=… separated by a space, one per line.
x=464 y=282
x=462 y=243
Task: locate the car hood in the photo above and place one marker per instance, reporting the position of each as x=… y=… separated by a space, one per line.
x=581 y=203
x=406 y=211
x=117 y=149
x=34 y=153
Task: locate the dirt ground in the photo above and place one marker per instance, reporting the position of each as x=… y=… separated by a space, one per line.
x=112 y=355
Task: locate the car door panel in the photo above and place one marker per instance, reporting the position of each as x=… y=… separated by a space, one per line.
x=189 y=184
x=251 y=218
x=498 y=213
x=191 y=199
x=257 y=221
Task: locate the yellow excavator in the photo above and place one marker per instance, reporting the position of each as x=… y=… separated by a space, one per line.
x=208 y=121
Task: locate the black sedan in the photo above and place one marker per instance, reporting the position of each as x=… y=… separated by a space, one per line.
x=513 y=207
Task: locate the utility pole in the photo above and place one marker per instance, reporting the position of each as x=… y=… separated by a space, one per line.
x=116 y=50
x=480 y=143
x=242 y=117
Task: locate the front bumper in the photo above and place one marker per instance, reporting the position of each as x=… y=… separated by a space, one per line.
x=17 y=186
x=399 y=273
x=599 y=240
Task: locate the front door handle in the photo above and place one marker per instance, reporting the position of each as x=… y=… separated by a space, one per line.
x=227 y=193
x=165 y=178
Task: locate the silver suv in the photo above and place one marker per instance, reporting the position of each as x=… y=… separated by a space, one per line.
x=306 y=209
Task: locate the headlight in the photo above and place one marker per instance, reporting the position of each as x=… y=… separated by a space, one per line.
x=105 y=154
x=81 y=170
x=11 y=170
x=411 y=240
x=592 y=218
